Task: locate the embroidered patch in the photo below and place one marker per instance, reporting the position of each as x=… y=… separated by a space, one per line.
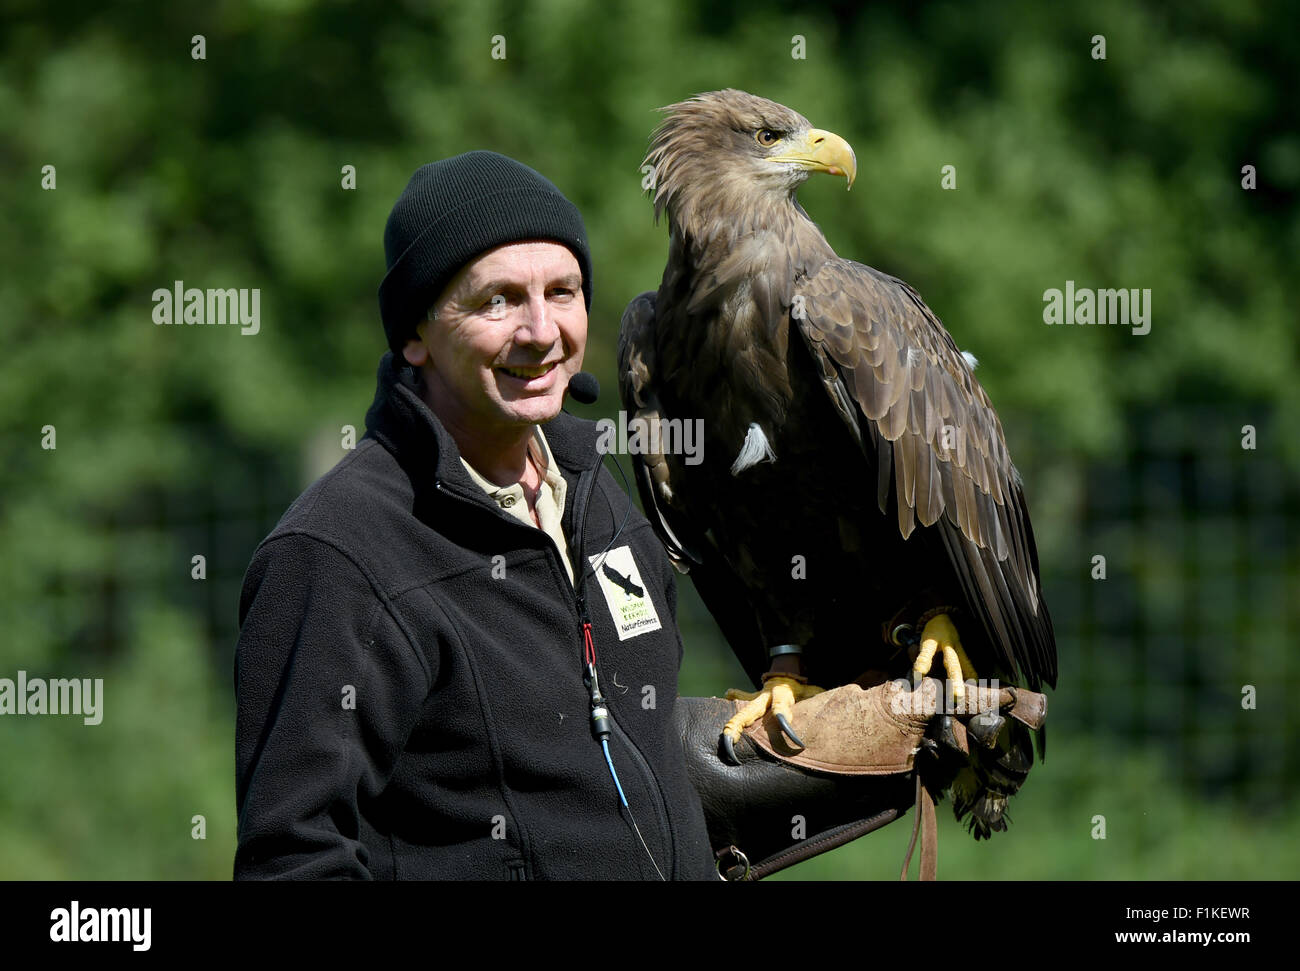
x=628 y=599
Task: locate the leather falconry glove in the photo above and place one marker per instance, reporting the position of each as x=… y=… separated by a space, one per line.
x=869 y=754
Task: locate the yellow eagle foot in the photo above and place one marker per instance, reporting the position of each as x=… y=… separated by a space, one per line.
x=940 y=636
x=779 y=695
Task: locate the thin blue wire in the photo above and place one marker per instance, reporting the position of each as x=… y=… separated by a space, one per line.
x=604 y=743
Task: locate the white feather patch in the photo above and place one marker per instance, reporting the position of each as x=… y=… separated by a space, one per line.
x=754 y=450
x=971 y=359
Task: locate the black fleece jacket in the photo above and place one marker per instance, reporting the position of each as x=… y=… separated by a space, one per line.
x=406 y=711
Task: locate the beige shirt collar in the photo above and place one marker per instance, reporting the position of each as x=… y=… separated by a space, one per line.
x=550 y=497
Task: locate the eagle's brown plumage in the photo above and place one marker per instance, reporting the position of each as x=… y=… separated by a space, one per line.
x=888 y=471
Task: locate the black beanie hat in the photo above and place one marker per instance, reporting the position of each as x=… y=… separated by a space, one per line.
x=455 y=209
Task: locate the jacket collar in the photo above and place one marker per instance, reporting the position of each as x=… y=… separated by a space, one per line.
x=400 y=420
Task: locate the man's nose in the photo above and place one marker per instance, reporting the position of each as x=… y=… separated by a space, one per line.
x=539 y=326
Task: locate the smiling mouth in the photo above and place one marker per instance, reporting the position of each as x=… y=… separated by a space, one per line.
x=528 y=373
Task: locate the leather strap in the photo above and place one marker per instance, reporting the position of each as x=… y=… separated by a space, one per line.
x=927 y=823
x=1029 y=707
x=805 y=850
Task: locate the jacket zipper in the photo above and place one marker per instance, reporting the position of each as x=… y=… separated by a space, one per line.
x=648 y=778
x=583 y=492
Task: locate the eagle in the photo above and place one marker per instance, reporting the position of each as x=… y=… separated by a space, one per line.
x=854 y=515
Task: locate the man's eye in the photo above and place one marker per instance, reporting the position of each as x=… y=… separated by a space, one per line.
x=496 y=304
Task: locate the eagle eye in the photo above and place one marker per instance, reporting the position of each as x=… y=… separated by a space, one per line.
x=767 y=138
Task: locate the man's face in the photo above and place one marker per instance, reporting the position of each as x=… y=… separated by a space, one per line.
x=509 y=333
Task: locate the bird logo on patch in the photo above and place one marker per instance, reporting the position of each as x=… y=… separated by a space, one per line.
x=631 y=589
x=628 y=600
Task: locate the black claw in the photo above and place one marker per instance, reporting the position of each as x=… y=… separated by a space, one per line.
x=728 y=751
x=947 y=735
x=986 y=727
x=789 y=731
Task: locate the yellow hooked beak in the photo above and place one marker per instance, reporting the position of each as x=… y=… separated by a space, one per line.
x=820 y=151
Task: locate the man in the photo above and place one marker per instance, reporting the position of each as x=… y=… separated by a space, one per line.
x=410 y=668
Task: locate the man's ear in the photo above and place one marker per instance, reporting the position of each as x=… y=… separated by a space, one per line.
x=416 y=351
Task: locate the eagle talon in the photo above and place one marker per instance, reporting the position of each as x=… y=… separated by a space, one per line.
x=728 y=750
x=778 y=696
x=948 y=735
x=789 y=731
x=986 y=727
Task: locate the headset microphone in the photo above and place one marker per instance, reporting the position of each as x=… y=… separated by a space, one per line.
x=584 y=388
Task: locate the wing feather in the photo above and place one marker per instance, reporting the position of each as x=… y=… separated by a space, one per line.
x=939 y=446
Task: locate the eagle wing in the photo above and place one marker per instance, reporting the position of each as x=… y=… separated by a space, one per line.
x=908 y=395
x=687 y=542
x=636 y=386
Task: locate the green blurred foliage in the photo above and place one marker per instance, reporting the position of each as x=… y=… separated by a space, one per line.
x=226 y=172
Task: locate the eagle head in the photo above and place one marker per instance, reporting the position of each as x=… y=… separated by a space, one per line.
x=722 y=153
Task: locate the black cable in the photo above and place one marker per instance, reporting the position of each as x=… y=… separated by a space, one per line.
x=599 y=712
